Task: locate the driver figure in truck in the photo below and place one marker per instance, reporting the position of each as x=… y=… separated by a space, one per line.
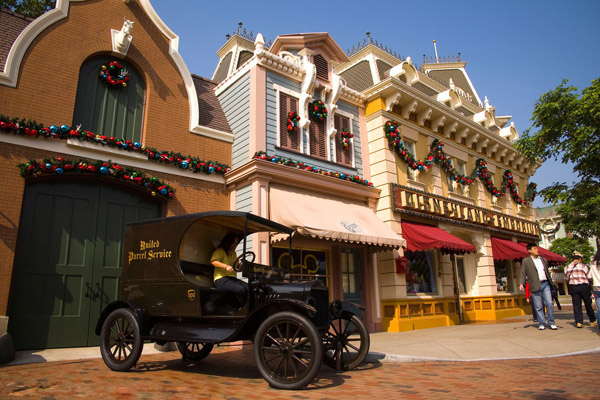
x=225 y=276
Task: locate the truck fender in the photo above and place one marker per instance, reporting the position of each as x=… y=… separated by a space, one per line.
x=140 y=312
x=337 y=307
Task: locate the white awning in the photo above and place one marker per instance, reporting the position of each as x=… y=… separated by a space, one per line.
x=326 y=217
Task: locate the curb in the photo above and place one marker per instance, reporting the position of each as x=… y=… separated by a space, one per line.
x=374 y=357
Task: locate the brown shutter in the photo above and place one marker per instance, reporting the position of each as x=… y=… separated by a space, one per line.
x=317 y=139
x=287 y=140
x=322 y=67
x=342 y=156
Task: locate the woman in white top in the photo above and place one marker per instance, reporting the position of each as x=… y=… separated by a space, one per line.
x=594 y=275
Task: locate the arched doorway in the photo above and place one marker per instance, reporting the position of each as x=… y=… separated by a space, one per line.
x=68 y=260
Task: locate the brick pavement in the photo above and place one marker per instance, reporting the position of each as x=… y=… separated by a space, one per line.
x=230 y=373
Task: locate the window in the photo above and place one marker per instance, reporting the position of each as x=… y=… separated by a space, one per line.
x=342 y=156
x=288 y=140
x=421 y=277
x=461 y=169
x=504 y=276
x=410 y=173
x=109 y=111
x=316 y=138
x=305 y=263
x=322 y=67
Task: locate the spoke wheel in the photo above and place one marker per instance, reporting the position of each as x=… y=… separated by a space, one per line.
x=121 y=344
x=288 y=350
x=346 y=343
x=194 y=351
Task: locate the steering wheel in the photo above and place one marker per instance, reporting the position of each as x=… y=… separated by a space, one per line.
x=237 y=264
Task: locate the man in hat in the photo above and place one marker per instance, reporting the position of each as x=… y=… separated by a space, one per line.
x=579 y=288
x=534 y=270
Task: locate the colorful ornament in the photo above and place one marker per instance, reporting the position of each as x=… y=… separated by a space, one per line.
x=346 y=136
x=114 y=75
x=293 y=120
x=317 y=110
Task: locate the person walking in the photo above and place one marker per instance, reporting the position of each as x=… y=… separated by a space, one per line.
x=594 y=275
x=534 y=269
x=579 y=288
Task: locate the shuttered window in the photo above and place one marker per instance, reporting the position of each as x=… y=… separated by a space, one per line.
x=342 y=156
x=317 y=139
x=322 y=67
x=288 y=140
x=109 y=111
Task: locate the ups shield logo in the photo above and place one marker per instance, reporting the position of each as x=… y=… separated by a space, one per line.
x=191 y=295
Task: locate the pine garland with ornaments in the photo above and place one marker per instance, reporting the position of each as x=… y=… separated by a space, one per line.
x=317 y=110
x=345 y=137
x=437 y=155
x=33 y=129
x=114 y=75
x=551 y=231
x=261 y=155
x=60 y=166
x=293 y=120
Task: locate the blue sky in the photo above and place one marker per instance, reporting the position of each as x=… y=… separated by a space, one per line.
x=515 y=50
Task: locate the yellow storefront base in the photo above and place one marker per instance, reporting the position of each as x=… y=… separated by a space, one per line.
x=412 y=314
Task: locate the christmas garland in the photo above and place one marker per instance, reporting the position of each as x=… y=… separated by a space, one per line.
x=61 y=166
x=261 y=155
x=551 y=231
x=293 y=119
x=345 y=139
x=317 y=110
x=33 y=129
x=437 y=155
x=114 y=75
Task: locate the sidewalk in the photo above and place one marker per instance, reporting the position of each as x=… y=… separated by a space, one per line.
x=495 y=340
x=511 y=338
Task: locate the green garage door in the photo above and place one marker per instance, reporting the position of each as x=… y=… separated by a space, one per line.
x=68 y=261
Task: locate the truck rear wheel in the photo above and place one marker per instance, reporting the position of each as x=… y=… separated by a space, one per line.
x=120 y=341
x=194 y=351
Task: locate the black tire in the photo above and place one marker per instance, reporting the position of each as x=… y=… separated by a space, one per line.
x=288 y=350
x=346 y=343
x=194 y=351
x=120 y=341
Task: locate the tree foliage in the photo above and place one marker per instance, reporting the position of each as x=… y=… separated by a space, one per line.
x=28 y=8
x=567 y=126
x=566 y=246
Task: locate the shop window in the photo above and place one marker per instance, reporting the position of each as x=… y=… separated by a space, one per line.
x=288 y=140
x=322 y=67
x=411 y=173
x=106 y=110
x=504 y=276
x=342 y=156
x=453 y=186
x=421 y=277
x=316 y=138
x=304 y=263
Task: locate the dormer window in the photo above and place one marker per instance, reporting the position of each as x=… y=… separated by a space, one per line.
x=322 y=67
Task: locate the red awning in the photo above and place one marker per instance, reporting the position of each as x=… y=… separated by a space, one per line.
x=504 y=249
x=424 y=237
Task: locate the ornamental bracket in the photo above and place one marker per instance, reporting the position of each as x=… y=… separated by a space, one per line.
x=121 y=40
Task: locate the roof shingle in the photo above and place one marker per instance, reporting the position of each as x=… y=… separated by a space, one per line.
x=211 y=113
x=11 y=25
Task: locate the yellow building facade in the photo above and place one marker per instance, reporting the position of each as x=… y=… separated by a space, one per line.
x=436 y=112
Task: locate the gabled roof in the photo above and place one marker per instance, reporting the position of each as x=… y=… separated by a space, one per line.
x=319 y=41
x=211 y=113
x=460 y=79
x=11 y=25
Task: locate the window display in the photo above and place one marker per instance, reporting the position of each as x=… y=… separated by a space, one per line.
x=421 y=277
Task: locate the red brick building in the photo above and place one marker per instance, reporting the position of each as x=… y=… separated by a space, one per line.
x=128 y=134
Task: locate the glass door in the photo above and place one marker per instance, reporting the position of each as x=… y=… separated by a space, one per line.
x=351 y=275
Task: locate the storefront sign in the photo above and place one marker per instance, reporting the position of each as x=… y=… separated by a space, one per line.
x=407 y=199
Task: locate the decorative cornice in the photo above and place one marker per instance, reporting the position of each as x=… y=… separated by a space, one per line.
x=260 y=169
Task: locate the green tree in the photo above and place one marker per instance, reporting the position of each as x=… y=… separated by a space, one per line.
x=567 y=127
x=566 y=246
x=28 y=8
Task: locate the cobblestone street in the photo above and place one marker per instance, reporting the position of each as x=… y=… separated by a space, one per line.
x=230 y=373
